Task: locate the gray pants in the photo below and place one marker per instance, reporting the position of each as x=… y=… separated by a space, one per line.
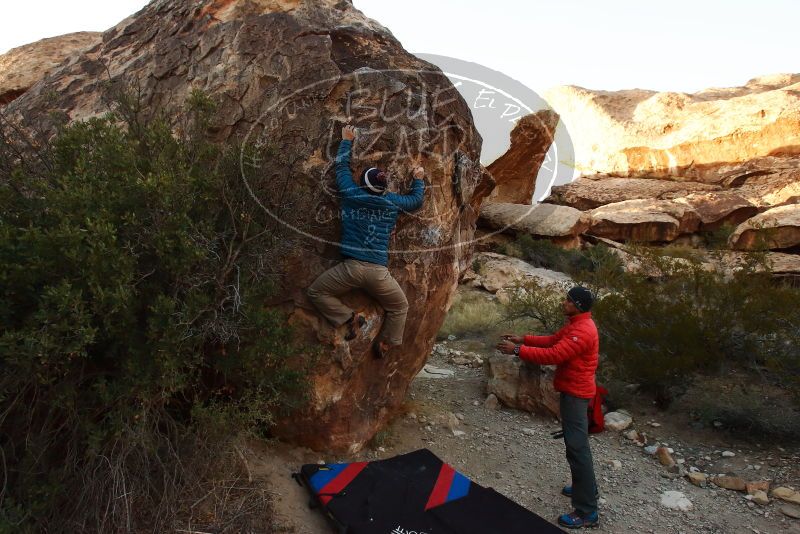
x=372 y=278
x=575 y=423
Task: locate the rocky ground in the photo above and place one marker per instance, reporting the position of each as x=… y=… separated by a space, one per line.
x=512 y=451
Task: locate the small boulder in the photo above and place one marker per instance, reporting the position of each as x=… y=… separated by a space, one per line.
x=760 y=485
x=632 y=435
x=614 y=464
x=698 y=479
x=664 y=457
x=491 y=402
x=452 y=421
x=786 y=494
x=675 y=500
x=429 y=371
x=617 y=421
x=760 y=498
x=790 y=511
x=730 y=483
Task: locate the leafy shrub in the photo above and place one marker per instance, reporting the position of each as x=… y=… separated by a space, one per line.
x=582 y=264
x=717 y=239
x=660 y=332
x=543 y=253
x=538 y=302
x=134 y=270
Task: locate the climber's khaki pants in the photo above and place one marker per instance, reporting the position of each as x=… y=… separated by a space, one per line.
x=372 y=278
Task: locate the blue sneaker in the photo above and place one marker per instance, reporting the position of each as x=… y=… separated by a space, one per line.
x=575 y=520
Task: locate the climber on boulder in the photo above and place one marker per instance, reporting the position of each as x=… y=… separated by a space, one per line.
x=368 y=214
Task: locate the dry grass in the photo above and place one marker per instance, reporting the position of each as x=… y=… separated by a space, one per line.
x=478 y=314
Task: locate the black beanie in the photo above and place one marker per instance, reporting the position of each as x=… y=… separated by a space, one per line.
x=374 y=181
x=581 y=297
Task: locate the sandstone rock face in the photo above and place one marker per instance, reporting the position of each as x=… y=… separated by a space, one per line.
x=523 y=385
x=515 y=171
x=644 y=220
x=288 y=74
x=776 y=228
x=719 y=208
x=540 y=220
x=650 y=134
x=25 y=65
x=594 y=191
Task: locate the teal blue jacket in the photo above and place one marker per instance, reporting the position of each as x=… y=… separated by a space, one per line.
x=367 y=219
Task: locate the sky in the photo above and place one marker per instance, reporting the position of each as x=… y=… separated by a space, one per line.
x=676 y=45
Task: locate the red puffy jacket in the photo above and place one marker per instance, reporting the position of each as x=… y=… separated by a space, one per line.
x=573 y=349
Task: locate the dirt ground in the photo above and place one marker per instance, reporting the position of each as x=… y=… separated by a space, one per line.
x=513 y=452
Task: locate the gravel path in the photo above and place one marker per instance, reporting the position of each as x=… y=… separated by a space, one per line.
x=513 y=452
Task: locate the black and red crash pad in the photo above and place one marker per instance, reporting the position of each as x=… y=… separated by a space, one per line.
x=413 y=493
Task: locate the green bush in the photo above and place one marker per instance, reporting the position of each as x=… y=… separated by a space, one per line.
x=541 y=303
x=543 y=253
x=717 y=239
x=583 y=265
x=134 y=269
x=661 y=331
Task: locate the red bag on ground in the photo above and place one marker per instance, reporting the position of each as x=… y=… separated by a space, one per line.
x=596 y=421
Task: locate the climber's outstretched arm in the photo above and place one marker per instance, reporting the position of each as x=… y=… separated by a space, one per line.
x=413 y=200
x=344 y=176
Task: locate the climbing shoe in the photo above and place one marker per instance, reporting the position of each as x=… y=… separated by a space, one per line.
x=355 y=324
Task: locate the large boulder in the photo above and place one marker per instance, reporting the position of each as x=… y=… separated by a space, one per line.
x=289 y=74
x=560 y=223
x=523 y=385
x=25 y=65
x=777 y=228
x=645 y=221
x=516 y=170
x=594 y=191
x=693 y=136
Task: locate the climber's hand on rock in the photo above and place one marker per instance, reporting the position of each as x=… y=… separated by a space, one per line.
x=349 y=132
x=506 y=347
x=517 y=340
x=419 y=173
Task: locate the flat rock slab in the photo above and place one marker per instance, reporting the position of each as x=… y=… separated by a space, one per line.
x=496 y=272
x=591 y=192
x=429 y=371
x=644 y=220
x=540 y=220
x=776 y=228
